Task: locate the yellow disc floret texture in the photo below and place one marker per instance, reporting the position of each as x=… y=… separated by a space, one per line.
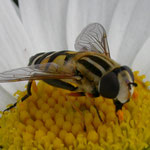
x=51 y=119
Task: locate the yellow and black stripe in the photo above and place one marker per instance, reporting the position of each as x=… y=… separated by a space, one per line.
x=93 y=66
x=96 y=65
x=90 y=66
x=59 y=58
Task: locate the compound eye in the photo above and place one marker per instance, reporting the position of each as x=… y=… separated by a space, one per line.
x=129 y=71
x=109 y=85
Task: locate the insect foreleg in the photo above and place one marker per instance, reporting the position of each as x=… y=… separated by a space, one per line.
x=119 y=111
x=118 y=105
x=78 y=110
x=10 y=107
x=23 y=98
x=28 y=91
x=98 y=113
x=93 y=103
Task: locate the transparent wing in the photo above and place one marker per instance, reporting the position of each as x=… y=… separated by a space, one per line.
x=38 y=72
x=93 y=38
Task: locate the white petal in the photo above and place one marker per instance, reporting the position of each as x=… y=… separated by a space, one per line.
x=119 y=24
x=81 y=13
x=45 y=21
x=142 y=59
x=14 y=43
x=17 y=9
x=137 y=32
x=5 y=99
x=15 y=46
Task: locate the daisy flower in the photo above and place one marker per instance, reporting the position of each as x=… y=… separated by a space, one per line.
x=47 y=120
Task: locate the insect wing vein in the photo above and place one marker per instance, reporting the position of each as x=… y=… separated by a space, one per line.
x=93 y=38
x=36 y=72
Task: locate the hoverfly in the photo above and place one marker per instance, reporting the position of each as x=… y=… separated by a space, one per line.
x=87 y=71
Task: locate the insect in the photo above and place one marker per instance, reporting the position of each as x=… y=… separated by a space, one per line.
x=87 y=71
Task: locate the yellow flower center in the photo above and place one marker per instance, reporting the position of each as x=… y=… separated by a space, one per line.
x=51 y=119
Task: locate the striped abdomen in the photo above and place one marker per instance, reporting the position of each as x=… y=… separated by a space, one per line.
x=59 y=58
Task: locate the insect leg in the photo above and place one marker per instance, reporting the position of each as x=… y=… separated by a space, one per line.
x=23 y=98
x=93 y=103
x=118 y=105
x=10 y=107
x=98 y=113
x=28 y=91
x=77 y=94
x=119 y=111
x=78 y=110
